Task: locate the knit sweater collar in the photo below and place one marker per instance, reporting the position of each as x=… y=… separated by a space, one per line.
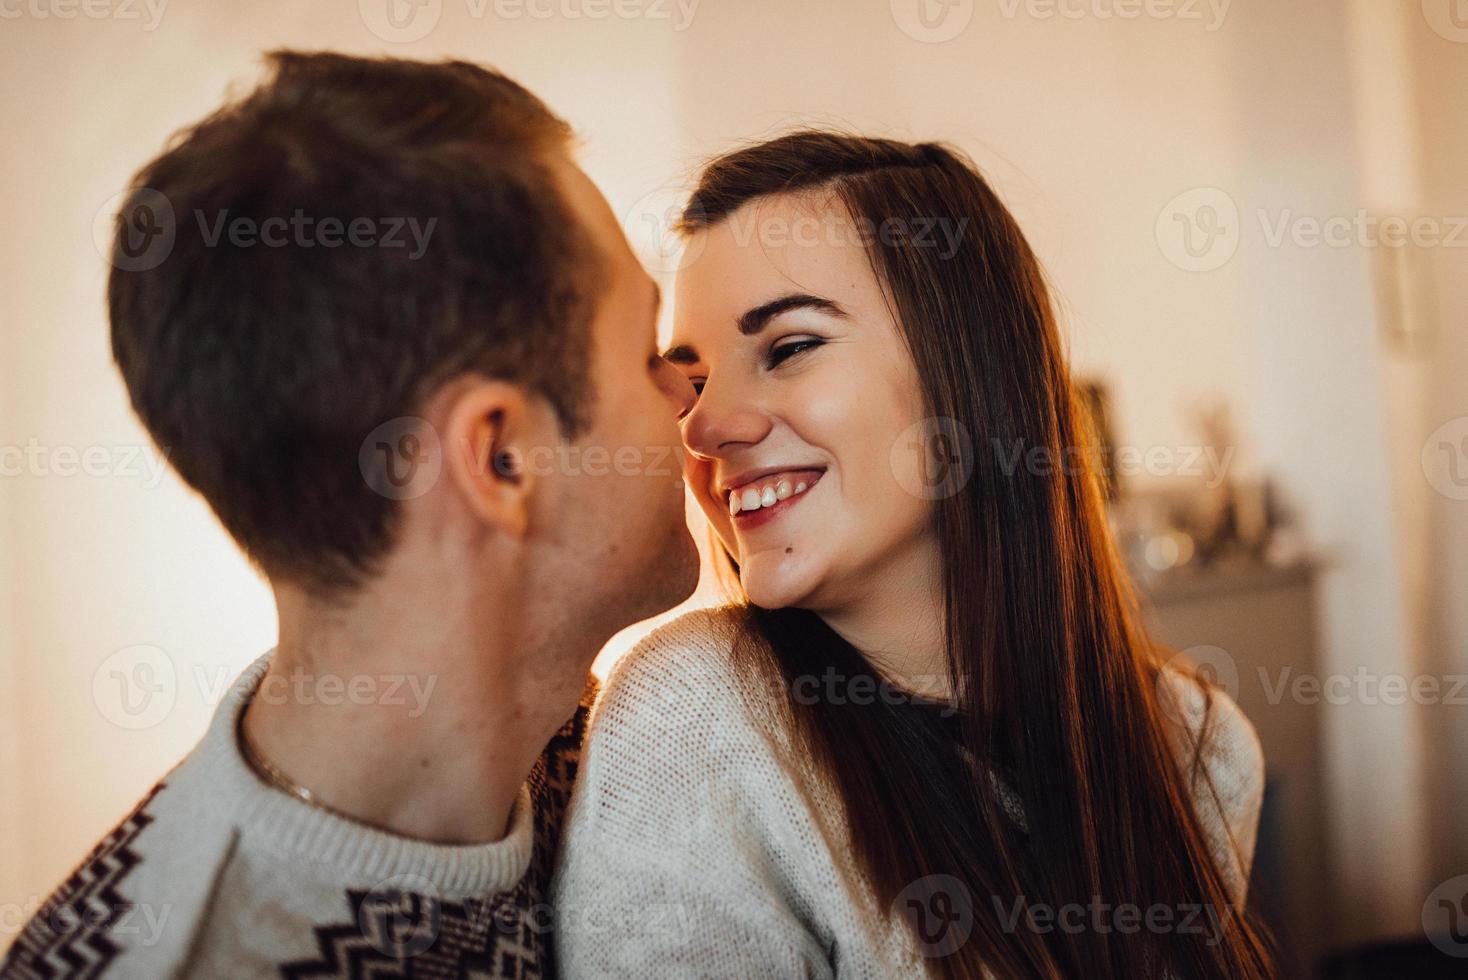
x=296 y=831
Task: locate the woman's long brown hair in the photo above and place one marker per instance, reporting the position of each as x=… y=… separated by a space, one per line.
x=1054 y=679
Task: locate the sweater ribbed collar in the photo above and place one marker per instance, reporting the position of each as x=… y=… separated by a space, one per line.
x=268 y=818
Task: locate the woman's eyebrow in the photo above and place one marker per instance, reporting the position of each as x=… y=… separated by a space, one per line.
x=754 y=320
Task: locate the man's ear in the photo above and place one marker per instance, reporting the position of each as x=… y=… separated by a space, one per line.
x=490 y=428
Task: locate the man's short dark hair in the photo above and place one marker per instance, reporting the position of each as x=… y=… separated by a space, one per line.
x=344 y=239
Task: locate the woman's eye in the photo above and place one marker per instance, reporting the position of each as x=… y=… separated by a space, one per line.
x=698 y=384
x=783 y=352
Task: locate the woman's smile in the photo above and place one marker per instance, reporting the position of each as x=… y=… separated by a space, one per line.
x=756 y=502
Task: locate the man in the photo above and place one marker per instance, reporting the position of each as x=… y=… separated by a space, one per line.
x=397 y=341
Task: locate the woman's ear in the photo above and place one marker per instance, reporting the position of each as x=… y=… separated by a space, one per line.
x=490 y=429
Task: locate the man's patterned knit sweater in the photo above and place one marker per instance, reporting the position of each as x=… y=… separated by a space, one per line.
x=216 y=874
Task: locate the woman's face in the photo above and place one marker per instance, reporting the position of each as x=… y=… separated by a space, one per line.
x=807 y=401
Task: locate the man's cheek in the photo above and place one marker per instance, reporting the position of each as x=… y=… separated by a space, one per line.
x=723 y=528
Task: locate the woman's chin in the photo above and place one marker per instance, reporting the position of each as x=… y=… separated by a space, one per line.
x=774 y=583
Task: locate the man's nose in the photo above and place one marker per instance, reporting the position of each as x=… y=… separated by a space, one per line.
x=676 y=387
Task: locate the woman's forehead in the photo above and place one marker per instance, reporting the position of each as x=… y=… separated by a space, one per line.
x=784 y=242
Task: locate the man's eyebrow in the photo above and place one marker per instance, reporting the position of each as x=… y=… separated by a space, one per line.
x=682 y=354
x=753 y=321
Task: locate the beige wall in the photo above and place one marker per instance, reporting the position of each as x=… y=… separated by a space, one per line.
x=1441 y=80
x=11 y=820
x=1089 y=127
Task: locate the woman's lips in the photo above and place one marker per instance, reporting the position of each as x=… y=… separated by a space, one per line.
x=761 y=501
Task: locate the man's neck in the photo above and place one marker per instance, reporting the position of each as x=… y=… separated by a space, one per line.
x=412 y=710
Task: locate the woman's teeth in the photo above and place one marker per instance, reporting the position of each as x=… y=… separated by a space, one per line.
x=753 y=498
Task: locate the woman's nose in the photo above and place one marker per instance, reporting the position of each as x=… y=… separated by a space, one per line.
x=721 y=420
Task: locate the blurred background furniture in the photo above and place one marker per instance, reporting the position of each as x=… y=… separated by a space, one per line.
x=1254 y=627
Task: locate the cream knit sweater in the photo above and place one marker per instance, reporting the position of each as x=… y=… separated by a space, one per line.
x=694 y=850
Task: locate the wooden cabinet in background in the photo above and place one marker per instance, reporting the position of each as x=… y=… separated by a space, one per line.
x=1264 y=620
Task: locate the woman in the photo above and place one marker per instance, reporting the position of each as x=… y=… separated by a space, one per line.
x=930 y=736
